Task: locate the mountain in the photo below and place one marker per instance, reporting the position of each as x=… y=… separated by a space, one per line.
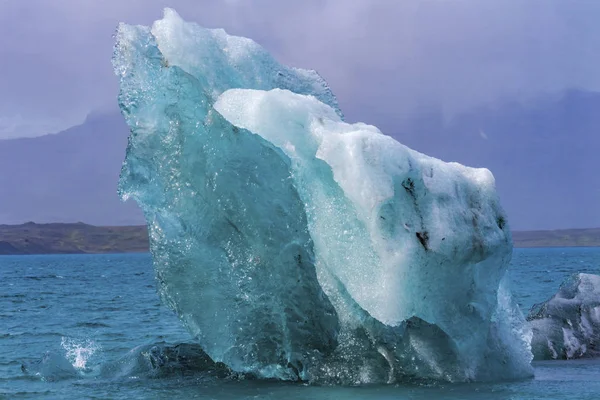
x=54 y=238
x=543 y=153
x=67 y=177
x=31 y=238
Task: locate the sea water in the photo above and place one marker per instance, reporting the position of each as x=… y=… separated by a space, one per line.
x=81 y=326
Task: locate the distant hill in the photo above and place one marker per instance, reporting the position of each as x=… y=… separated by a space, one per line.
x=31 y=238
x=543 y=153
x=68 y=176
x=558 y=238
x=55 y=238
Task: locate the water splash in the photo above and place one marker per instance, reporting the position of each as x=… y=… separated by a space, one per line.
x=79 y=351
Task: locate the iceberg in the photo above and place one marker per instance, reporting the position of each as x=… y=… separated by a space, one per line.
x=293 y=245
x=567 y=326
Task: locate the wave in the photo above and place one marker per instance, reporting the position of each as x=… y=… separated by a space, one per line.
x=91 y=325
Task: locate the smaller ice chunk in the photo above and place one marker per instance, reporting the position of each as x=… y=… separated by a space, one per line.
x=567 y=326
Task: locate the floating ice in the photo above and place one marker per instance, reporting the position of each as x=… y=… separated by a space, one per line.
x=294 y=245
x=568 y=325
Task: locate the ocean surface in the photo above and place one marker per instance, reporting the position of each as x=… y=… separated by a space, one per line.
x=93 y=327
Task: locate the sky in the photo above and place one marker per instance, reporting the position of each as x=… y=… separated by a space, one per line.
x=384 y=59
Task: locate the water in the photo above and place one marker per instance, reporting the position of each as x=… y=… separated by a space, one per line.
x=83 y=314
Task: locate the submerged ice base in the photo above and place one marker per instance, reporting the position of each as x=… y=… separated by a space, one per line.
x=296 y=246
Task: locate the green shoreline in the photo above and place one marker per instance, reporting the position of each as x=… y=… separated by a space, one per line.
x=80 y=238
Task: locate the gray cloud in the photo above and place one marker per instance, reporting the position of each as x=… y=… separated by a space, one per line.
x=384 y=59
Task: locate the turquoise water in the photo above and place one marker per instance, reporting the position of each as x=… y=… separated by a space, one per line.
x=86 y=326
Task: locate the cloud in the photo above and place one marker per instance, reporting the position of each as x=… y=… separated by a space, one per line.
x=384 y=59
